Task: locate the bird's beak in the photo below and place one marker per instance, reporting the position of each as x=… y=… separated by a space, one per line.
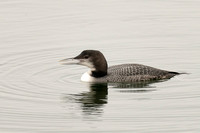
x=69 y=61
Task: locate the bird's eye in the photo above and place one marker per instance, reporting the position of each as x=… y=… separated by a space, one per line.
x=86 y=56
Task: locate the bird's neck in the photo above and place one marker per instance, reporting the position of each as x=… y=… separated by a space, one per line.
x=98 y=74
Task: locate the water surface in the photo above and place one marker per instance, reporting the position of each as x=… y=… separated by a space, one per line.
x=37 y=94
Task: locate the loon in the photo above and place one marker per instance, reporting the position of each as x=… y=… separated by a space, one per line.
x=101 y=73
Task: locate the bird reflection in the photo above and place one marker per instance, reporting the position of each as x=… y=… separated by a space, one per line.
x=93 y=101
x=137 y=87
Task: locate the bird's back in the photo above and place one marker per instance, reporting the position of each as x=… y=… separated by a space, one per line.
x=136 y=72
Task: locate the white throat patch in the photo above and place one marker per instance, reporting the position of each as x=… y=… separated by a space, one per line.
x=86 y=77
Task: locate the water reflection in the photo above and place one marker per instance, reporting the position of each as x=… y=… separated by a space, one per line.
x=138 y=87
x=93 y=101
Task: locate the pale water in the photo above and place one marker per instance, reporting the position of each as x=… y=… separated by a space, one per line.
x=39 y=95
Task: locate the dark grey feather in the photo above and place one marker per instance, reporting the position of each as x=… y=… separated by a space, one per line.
x=134 y=73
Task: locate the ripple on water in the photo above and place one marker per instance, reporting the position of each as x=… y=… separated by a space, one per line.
x=34 y=75
x=31 y=87
x=45 y=92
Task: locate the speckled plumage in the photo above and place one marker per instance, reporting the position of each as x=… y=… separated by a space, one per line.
x=134 y=73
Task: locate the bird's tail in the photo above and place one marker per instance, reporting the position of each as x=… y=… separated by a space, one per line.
x=178 y=73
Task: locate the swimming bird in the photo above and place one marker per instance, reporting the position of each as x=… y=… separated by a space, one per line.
x=100 y=72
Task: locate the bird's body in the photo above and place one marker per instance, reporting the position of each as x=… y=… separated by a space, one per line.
x=130 y=73
x=100 y=72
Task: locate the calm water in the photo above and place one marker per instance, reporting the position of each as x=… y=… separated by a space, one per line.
x=39 y=95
